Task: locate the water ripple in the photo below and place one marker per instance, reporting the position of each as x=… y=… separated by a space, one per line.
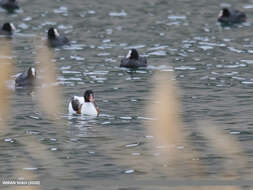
x=77 y=58
x=61 y=10
x=74 y=47
x=182 y=68
x=161 y=67
x=70 y=72
x=103 y=54
x=98 y=72
x=174 y=17
x=157 y=47
x=212 y=44
x=250 y=6
x=135 y=47
x=61 y=78
x=30 y=169
x=129 y=171
x=247 y=61
x=247 y=82
x=158 y=53
x=205 y=47
x=236 y=65
x=126 y=118
x=235 y=50
x=132 y=145
x=118 y=14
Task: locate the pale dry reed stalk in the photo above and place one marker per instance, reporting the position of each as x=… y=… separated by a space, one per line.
x=169 y=133
x=21 y=187
x=46 y=158
x=6 y=67
x=227 y=146
x=24 y=175
x=48 y=94
x=167 y=129
x=167 y=126
x=5 y=75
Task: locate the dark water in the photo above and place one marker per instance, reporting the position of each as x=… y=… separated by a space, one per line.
x=212 y=65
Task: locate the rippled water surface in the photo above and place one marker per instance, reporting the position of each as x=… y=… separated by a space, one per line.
x=212 y=65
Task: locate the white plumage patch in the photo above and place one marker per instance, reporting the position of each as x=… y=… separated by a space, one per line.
x=129 y=54
x=56 y=32
x=12 y=27
x=220 y=14
x=88 y=108
x=33 y=72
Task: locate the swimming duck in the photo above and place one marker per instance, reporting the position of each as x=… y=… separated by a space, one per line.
x=133 y=60
x=231 y=16
x=55 y=39
x=9 y=5
x=84 y=105
x=26 y=79
x=7 y=29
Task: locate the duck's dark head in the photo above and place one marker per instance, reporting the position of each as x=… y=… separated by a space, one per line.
x=76 y=105
x=133 y=54
x=8 y=27
x=224 y=13
x=31 y=72
x=89 y=96
x=10 y=5
x=52 y=33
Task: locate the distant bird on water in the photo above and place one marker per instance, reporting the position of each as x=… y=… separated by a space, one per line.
x=7 y=29
x=55 y=39
x=26 y=79
x=231 y=16
x=9 y=5
x=133 y=60
x=85 y=104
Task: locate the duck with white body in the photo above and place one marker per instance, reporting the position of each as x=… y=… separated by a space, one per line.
x=85 y=105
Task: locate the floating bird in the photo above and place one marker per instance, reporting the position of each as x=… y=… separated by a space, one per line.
x=84 y=105
x=26 y=79
x=7 y=29
x=55 y=39
x=9 y=5
x=231 y=16
x=133 y=60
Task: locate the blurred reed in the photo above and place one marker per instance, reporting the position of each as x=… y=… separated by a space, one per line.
x=22 y=187
x=170 y=136
x=5 y=75
x=45 y=157
x=6 y=68
x=167 y=125
x=24 y=175
x=226 y=146
x=49 y=98
x=48 y=94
